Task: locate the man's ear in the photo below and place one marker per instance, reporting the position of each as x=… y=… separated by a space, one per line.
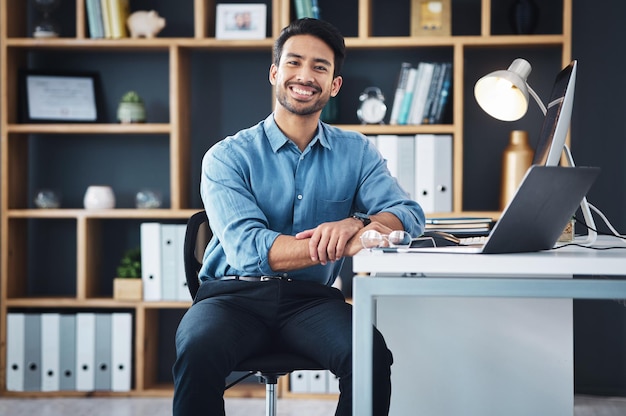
x=336 y=86
x=272 y=74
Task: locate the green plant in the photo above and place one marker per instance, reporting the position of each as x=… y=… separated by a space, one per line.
x=130 y=264
x=131 y=97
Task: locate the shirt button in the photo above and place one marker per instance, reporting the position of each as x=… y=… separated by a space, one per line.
x=299 y=196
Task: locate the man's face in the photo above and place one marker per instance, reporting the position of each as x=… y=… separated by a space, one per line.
x=303 y=79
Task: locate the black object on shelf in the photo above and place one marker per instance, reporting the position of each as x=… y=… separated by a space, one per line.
x=524 y=15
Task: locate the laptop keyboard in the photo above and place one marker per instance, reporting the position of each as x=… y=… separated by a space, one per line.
x=470 y=241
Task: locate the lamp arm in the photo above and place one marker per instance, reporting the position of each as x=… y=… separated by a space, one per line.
x=541 y=105
x=584 y=207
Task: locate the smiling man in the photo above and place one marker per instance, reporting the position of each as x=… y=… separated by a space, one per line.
x=287 y=201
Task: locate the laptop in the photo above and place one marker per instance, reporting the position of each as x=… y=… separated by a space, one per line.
x=536 y=216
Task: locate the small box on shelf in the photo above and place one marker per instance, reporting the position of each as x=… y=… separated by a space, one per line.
x=127 y=288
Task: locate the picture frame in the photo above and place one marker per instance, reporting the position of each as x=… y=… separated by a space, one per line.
x=241 y=21
x=431 y=18
x=59 y=97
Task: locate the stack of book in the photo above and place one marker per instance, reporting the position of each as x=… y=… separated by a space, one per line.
x=421 y=93
x=461 y=226
x=107 y=18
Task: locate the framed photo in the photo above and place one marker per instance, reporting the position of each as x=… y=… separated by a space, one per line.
x=241 y=21
x=59 y=97
x=430 y=18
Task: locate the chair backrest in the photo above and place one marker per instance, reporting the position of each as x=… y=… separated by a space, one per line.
x=197 y=236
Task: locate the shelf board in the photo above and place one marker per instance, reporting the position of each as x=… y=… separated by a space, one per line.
x=89 y=128
x=73 y=302
x=117 y=213
x=399 y=129
x=141 y=44
x=371 y=42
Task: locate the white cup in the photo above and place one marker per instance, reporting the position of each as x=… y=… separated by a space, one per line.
x=99 y=197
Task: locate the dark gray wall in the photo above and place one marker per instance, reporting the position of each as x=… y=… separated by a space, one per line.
x=599 y=139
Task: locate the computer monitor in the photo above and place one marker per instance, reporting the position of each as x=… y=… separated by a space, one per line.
x=557 y=120
x=554 y=130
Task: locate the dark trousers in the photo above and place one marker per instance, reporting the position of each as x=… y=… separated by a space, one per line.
x=232 y=320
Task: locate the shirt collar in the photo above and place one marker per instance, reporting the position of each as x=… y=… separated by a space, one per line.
x=277 y=139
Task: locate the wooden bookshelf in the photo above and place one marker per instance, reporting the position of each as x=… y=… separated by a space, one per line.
x=19 y=142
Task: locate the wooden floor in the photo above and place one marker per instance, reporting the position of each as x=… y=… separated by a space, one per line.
x=584 y=406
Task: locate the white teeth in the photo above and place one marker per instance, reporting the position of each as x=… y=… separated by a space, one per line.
x=302 y=92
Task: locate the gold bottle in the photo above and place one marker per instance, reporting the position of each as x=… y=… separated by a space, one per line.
x=516 y=159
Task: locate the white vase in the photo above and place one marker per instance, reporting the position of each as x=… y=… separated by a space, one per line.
x=99 y=197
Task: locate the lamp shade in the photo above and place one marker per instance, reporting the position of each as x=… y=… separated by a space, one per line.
x=503 y=94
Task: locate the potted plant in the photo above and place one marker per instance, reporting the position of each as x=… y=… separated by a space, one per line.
x=127 y=285
x=131 y=109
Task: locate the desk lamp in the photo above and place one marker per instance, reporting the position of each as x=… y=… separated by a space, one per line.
x=503 y=94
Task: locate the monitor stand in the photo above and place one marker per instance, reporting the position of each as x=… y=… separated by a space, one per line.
x=584 y=207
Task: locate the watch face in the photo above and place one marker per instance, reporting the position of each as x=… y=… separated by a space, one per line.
x=372 y=111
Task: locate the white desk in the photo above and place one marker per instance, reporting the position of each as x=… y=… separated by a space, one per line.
x=513 y=356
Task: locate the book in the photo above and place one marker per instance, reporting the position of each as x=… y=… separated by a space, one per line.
x=433 y=92
x=119 y=10
x=407 y=100
x=106 y=17
x=421 y=91
x=403 y=77
x=94 y=18
x=461 y=225
x=304 y=8
x=444 y=93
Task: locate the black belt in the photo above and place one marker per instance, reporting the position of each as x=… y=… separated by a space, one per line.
x=255 y=278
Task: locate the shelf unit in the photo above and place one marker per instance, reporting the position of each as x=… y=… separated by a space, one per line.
x=19 y=218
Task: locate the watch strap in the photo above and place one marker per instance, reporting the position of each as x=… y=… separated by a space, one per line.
x=364 y=218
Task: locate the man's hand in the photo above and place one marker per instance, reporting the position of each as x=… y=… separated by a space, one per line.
x=331 y=241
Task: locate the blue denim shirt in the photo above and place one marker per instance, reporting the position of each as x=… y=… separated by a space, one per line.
x=257 y=185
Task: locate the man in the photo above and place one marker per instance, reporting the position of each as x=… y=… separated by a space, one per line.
x=280 y=197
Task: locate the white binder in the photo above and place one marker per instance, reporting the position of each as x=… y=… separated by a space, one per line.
x=300 y=381
x=169 y=261
x=151 y=260
x=67 y=358
x=15 y=351
x=102 y=357
x=85 y=350
x=433 y=166
x=121 y=351
x=333 y=383
x=182 y=291
x=32 y=352
x=318 y=381
x=50 y=351
x=399 y=151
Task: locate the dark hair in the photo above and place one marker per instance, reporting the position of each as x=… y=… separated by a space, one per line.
x=321 y=29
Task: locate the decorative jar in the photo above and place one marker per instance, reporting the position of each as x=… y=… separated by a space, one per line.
x=99 y=197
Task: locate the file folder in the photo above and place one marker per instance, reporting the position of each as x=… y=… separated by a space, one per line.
x=318 y=381
x=121 y=351
x=85 y=350
x=50 y=351
x=151 y=260
x=67 y=358
x=32 y=352
x=300 y=381
x=182 y=291
x=333 y=383
x=169 y=256
x=433 y=178
x=15 y=351
x=102 y=375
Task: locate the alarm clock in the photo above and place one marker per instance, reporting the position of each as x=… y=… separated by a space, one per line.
x=373 y=108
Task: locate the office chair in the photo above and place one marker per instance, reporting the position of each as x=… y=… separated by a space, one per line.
x=268 y=367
